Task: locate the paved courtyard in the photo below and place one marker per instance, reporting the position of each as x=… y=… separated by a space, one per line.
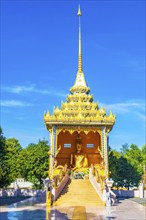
x=32 y=209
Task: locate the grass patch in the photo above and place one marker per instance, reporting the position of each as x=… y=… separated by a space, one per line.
x=8 y=200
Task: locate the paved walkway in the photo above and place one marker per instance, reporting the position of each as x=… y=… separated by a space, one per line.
x=32 y=210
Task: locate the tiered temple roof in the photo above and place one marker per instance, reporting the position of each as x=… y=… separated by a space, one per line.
x=79 y=107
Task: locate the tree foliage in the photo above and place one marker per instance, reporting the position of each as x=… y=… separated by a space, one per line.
x=9 y=157
x=135 y=158
x=13 y=149
x=124 y=148
x=4 y=180
x=126 y=167
x=35 y=163
x=143 y=151
x=30 y=163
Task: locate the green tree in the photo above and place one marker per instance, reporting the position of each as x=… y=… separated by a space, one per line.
x=123 y=172
x=4 y=179
x=114 y=165
x=124 y=148
x=9 y=150
x=135 y=158
x=128 y=175
x=35 y=158
x=2 y=142
x=143 y=152
x=13 y=149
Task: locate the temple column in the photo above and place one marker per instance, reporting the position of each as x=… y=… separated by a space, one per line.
x=102 y=141
x=106 y=155
x=55 y=140
x=52 y=149
x=51 y=153
x=105 y=150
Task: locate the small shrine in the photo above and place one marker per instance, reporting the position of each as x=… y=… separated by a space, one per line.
x=79 y=128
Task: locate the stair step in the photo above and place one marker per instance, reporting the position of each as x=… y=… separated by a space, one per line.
x=79 y=203
x=79 y=192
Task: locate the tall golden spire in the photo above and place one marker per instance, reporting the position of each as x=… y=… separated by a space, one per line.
x=80 y=44
x=80 y=79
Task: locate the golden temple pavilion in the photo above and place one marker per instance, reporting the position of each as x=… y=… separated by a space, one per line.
x=79 y=129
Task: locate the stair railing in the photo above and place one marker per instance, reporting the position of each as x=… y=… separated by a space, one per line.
x=98 y=182
x=59 y=180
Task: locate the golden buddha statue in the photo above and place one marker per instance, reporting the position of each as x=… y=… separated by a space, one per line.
x=79 y=160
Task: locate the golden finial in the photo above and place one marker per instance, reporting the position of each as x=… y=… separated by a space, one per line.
x=79 y=11
x=80 y=79
x=80 y=44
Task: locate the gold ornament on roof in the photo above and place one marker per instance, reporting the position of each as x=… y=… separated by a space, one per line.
x=79 y=11
x=79 y=108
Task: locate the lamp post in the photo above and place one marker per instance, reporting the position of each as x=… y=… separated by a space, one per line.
x=109 y=183
x=48 y=186
x=48 y=196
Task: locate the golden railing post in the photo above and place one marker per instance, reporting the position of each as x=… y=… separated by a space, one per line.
x=47 y=212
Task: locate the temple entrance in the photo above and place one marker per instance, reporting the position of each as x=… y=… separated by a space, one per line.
x=90 y=145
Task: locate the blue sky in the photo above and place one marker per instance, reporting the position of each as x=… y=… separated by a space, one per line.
x=39 y=46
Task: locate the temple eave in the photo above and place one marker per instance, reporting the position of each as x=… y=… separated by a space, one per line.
x=71 y=122
x=80 y=126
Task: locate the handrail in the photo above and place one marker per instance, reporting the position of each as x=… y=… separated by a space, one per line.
x=97 y=186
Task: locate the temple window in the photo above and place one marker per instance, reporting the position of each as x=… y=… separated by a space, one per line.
x=90 y=145
x=67 y=145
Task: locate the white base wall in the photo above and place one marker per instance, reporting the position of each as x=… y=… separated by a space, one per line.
x=129 y=193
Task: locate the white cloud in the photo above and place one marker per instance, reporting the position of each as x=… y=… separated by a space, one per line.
x=134 y=107
x=19 y=89
x=32 y=89
x=14 y=103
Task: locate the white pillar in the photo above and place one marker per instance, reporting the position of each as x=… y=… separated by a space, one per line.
x=141 y=191
x=52 y=153
x=55 y=140
x=105 y=149
x=106 y=155
x=53 y=144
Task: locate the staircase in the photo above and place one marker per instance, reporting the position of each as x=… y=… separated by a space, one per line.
x=79 y=192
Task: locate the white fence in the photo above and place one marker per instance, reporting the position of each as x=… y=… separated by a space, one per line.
x=40 y=193
x=22 y=192
x=130 y=193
